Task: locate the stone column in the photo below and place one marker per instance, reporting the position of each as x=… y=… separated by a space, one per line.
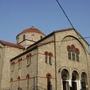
x=70 y=80
x=78 y=84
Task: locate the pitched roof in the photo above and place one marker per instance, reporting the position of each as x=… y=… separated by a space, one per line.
x=11 y=44
x=32 y=29
x=36 y=43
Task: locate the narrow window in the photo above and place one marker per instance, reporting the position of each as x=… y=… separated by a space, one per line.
x=41 y=37
x=27 y=77
x=69 y=52
x=19 y=63
x=73 y=56
x=73 y=52
x=18 y=83
x=69 y=55
x=23 y=37
x=50 y=58
x=49 y=85
x=77 y=54
x=11 y=80
x=84 y=82
x=46 y=57
x=12 y=66
x=28 y=57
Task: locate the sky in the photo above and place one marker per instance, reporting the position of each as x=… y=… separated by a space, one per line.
x=16 y=15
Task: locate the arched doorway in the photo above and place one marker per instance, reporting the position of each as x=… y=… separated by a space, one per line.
x=75 y=77
x=65 y=78
x=83 y=81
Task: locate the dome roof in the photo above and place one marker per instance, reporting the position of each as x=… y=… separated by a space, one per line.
x=32 y=29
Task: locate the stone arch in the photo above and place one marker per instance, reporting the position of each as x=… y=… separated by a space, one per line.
x=64 y=67
x=75 y=75
x=76 y=69
x=65 y=74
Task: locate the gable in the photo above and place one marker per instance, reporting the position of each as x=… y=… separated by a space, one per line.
x=61 y=35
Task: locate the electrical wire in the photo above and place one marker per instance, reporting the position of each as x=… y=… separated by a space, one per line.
x=59 y=4
x=65 y=14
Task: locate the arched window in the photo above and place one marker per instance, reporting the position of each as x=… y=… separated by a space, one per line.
x=18 y=78
x=65 y=78
x=12 y=66
x=28 y=77
x=28 y=57
x=83 y=81
x=11 y=80
x=75 y=77
x=73 y=53
x=77 y=54
x=69 y=52
x=24 y=37
x=46 y=57
x=41 y=37
x=49 y=85
x=19 y=88
x=73 y=56
x=50 y=58
x=19 y=63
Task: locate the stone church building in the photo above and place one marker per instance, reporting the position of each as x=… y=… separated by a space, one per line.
x=58 y=61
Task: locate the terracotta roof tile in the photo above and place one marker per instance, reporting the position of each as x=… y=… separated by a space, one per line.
x=32 y=29
x=11 y=44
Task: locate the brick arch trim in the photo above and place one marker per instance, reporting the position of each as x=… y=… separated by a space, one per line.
x=78 y=41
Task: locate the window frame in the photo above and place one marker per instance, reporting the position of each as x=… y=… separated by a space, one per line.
x=73 y=53
x=19 y=63
x=50 y=58
x=46 y=57
x=24 y=37
x=49 y=84
x=28 y=59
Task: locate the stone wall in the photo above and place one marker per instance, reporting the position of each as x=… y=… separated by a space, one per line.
x=8 y=53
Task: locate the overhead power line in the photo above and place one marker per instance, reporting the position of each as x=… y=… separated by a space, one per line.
x=65 y=14
x=60 y=6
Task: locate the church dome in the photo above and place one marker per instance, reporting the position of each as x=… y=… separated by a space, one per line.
x=29 y=36
x=32 y=29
